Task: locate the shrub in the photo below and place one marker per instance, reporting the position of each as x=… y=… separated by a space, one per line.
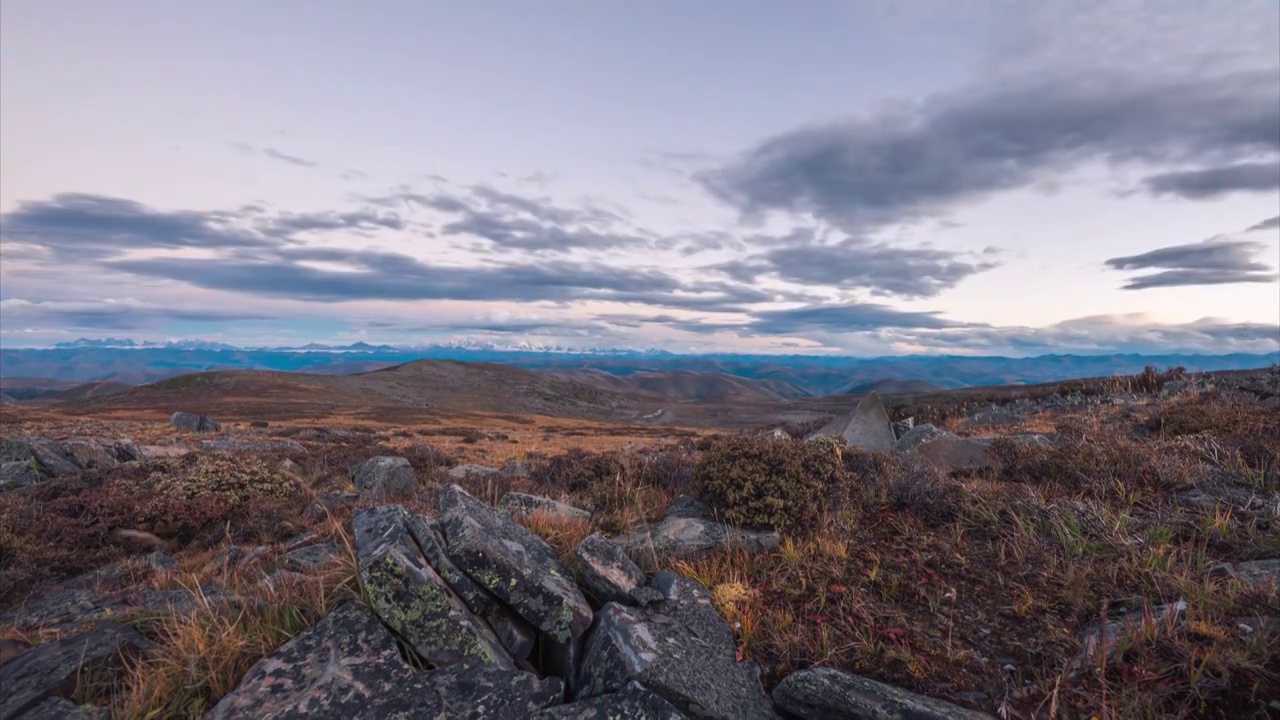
x=764 y=482
x=924 y=493
x=670 y=468
x=576 y=471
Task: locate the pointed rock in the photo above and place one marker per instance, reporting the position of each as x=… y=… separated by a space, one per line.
x=412 y=599
x=866 y=428
x=348 y=666
x=514 y=564
x=826 y=694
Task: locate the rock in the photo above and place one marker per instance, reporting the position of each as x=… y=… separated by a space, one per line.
x=412 y=599
x=633 y=702
x=687 y=532
x=946 y=452
x=19 y=473
x=57 y=668
x=516 y=635
x=699 y=678
x=777 y=434
x=232 y=445
x=348 y=666
x=686 y=600
x=903 y=426
x=50 y=457
x=513 y=564
x=312 y=558
x=827 y=694
x=289 y=467
x=604 y=570
x=10 y=649
x=380 y=477
x=646 y=596
x=518 y=504
x=1261 y=575
x=866 y=428
x=58 y=708
x=126 y=451
x=462 y=472
x=1096 y=635
x=516 y=469
x=193 y=422
x=91 y=454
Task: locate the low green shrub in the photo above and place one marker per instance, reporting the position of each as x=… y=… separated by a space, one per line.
x=768 y=483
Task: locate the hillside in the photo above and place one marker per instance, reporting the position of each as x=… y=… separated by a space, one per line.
x=682 y=385
x=890 y=386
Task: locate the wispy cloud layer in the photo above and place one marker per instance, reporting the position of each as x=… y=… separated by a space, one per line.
x=1212 y=262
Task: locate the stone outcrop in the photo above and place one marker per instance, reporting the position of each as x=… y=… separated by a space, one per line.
x=55 y=669
x=688 y=531
x=378 y=478
x=412 y=599
x=518 y=504
x=348 y=666
x=826 y=694
x=866 y=428
x=513 y=564
x=194 y=422
x=605 y=571
x=945 y=451
x=633 y=702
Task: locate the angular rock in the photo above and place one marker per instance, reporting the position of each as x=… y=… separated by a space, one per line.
x=1258 y=574
x=518 y=504
x=348 y=666
x=516 y=469
x=516 y=635
x=233 y=445
x=462 y=472
x=513 y=564
x=19 y=473
x=686 y=531
x=699 y=678
x=686 y=600
x=57 y=668
x=91 y=454
x=379 y=477
x=827 y=694
x=58 y=708
x=412 y=599
x=605 y=571
x=193 y=422
x=945 y=451
x=311 y=557
x=918 y=435
x=50 y=457
x=1097 y=636
x=633 y=702
x=866 y=428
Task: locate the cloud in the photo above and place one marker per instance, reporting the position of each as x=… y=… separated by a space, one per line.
x=1108 y=333
x=844 y=319
x=1268 y=224
x=852 y=263
x=905 y=165
x=1217 y=181
x=291 y=159
x=125 y=314
x=1212 y=262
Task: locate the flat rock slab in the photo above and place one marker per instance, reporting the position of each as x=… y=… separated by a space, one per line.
x=945 y=451
x=57 y=668
x=193 y=422
x=605 y=571
x=699 y=678
x=687 y=532
x=379 y=477
x=866 y=428
x=412 y=599
x=634 y=702
x=58 y=708
x=826 y=694
x=518 y=504
x=348 y=666
x=514 y=564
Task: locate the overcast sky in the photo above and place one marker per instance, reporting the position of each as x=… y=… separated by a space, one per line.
x=877 y=177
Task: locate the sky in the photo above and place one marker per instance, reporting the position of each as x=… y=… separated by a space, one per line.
x=859 y=178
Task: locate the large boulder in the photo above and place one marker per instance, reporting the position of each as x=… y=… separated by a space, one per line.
x=58 y=668
x=946 y=452
x=700 y=678
x=688 y=531
x=518 y=504
x=826 y=694
x=634 y=702
x=348 y=666
x=49 y=457
x=380 y=477
x=866 y=428
x=514 y=564
x=19 y=473
x=412 y=599
x=193 y=422
x=605 y=571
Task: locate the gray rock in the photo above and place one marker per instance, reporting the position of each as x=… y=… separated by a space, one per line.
x=58 y=708
x=50 y=457
x=777 y=434
x=56 y=668
x=289 y=467
x=412 y=599
x=91 y=453
x=605 y=571
x=233 y=445
x=826 y=694
x=312 y=558
x=380 y=477
x=903 y=426
x=462 y=472
x=633 y=702
x=699 y=678
x=1098 y=636
x=19 y=473
x=866 y=428
x=516 y=635
x=193 y=422
x=516 y=469
x=348 y=666
x=687 y=531
x=945 y=451
x=646 y=596
x=518 y=504
x=917 y=435
x=686 y=600
x=1258 y=574
x=514 y=564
